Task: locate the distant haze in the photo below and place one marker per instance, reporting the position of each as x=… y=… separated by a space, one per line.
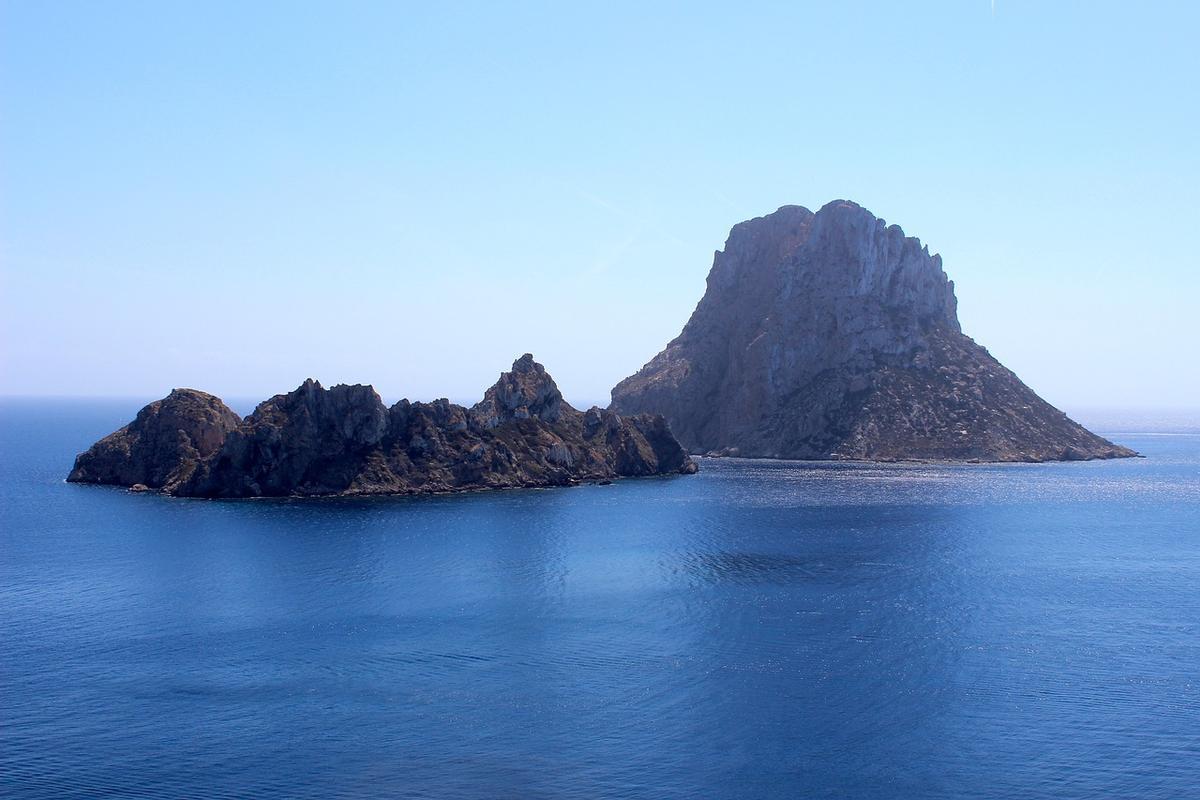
x=235 y=197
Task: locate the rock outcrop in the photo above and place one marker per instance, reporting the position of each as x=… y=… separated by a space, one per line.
x=834 y=336
x=343 y=441
x=163 y=445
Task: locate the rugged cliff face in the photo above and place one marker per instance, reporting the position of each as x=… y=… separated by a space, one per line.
x=834 y=336
x=163 y=446
x=344 y=441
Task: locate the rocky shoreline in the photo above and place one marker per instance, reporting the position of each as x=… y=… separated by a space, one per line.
x=343 y=442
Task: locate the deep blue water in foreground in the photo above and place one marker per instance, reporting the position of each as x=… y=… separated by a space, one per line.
x=762 y=629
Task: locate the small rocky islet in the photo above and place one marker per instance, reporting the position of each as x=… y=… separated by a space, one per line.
x=344 y=441
x=826 y=336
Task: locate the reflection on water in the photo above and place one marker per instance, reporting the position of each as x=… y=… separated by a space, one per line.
x=757 y=630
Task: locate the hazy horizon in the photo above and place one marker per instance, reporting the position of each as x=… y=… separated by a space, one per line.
x=235 y=199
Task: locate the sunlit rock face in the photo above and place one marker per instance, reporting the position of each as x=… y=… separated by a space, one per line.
x=526 y=391
x=315 y=441
x=835 y=336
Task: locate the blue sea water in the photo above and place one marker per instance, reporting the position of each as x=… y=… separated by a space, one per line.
x=761 y=629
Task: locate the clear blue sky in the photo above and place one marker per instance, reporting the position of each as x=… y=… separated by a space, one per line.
x=237 y=196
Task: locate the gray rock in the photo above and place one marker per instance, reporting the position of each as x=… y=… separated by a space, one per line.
x=163 y=445
x=344 y=441
x=834 y=336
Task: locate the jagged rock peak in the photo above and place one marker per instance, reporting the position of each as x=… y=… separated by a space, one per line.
x=526 y=364
x=353 y=412
x=342 y=441
x=524 y=392
x=842 y=250
x=834 y=335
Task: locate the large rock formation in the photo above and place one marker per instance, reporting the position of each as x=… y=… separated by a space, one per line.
x=834 y=336
x=344 y=441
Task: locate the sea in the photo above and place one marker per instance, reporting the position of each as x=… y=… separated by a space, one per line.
x=761 y=629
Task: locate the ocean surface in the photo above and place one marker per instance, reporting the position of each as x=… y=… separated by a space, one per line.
x=761 y=629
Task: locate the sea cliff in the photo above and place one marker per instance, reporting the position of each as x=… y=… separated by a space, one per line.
x=832 y=335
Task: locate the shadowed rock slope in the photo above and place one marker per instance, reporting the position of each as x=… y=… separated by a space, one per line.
x=163 y=445
x=834 y=336
x=344 y=441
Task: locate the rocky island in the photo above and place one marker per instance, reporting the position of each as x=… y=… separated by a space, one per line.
x=343 y=441
x=835 y=336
